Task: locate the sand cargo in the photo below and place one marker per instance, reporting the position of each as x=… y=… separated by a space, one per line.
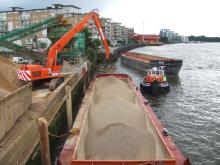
x=116 y=126
x=143 y=62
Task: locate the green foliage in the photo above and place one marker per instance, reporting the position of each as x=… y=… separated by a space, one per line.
x=90 y=42
x=91 y=55
x=109 y=42
x=204 y=39
x=88 y=38
x=122 y=42
x=91 y=46
x=132 y=41
x=96 y=43
x=41 y=45
x=164 y=39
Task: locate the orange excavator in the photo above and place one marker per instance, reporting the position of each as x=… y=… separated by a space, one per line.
x=51 y=70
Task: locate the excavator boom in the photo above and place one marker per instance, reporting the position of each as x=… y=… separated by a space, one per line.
x=52 y=70
x=58 y=46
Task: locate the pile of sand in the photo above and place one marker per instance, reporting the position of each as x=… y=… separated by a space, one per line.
x=117 y=126
x=8 y=77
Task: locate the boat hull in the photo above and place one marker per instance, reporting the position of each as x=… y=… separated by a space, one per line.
x=154 y=88
x=171 y=67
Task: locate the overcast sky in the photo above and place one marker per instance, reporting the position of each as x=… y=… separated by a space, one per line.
x=187 y=17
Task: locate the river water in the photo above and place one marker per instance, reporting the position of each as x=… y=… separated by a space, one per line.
x=191 y=110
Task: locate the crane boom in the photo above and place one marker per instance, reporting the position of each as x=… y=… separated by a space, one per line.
x=58 y=46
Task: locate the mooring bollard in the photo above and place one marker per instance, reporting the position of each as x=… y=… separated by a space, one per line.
x=44 y=141
x=69 y=107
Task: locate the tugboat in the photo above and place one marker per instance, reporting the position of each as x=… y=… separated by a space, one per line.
x=155 y=82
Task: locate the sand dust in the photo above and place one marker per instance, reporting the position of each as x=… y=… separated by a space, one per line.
x=8 y=77
x=116 y=125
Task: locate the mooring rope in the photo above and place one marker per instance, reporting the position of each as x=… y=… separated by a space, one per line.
x=74 y=131
x=59 y=136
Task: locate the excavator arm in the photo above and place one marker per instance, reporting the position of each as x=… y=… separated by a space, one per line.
x=58 y=46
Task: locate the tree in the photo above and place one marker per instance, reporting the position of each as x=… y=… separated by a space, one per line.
x=91 y=46
x=122 y=42
x=132 y=41
x=204 y=39
x=164 y=39
x=88 y=38
x=96 y=43
x=109 y=42
x=91 y=55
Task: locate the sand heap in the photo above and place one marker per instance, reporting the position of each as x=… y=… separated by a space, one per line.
x=8 y=78
x=117 y=125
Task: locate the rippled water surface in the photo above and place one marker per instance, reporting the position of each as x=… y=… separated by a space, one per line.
x=191 y=110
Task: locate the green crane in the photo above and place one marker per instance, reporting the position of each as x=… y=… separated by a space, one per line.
x=8 y=39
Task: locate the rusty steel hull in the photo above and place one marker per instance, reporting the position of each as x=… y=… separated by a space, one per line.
x=144 y=62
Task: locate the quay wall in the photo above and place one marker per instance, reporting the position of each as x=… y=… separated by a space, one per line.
x=57 y=125
x=116 y=52
x=21 y=144
x=24 y=149
x=13 y=106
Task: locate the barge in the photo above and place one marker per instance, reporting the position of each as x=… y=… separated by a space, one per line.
x=116 y=126
x=143 y=62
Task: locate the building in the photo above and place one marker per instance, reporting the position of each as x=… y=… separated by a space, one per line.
x=172 y=36
x=18 y=17
x=184 y=39
x=131 y=31
x=107 y=28
x=115 y=32
x=124 y=34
